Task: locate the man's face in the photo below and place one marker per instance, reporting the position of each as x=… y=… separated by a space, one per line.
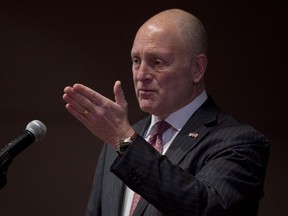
x=162 y=71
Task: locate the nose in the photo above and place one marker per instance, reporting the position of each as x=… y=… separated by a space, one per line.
x=143 y=73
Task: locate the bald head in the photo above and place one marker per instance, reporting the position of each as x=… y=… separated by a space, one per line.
x=169 y=62
x=188 y=29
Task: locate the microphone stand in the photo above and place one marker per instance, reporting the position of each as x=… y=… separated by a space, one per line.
x=5 y=161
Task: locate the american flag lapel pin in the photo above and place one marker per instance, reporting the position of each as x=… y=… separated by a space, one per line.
x=193 y=135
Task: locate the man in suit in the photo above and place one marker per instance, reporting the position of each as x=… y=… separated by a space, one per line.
x=208 y=162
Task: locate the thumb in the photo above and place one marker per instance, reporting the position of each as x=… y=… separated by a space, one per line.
x=119 y=95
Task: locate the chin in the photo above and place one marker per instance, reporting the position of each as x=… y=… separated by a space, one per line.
x=146 y=107
x=149 y=105
x=152 y=110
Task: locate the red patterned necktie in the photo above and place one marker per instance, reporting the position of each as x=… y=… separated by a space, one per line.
x=156 y=141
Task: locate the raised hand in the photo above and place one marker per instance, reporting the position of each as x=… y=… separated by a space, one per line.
x=106 y=119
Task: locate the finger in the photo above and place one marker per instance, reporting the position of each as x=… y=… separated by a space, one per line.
x=76 y=100
x=84 y=119
x=119 y=95
x=79 y=102
x=89 y=93
x=75 y=104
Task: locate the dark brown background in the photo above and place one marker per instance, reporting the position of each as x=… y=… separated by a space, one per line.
x=46 y=45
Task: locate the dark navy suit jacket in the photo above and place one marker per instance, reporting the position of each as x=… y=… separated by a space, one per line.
x=215 y=166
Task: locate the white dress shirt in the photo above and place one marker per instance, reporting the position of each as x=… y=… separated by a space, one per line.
x=177 y=120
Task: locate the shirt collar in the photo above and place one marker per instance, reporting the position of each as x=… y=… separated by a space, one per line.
x=178 y=119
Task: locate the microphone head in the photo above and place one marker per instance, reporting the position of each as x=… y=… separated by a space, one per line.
x=37 y=128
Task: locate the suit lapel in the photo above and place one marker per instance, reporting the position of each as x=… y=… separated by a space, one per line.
x=185 y=141
x=142 y=126
x=196 y=128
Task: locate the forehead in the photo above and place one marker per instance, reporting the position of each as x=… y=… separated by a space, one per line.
x=152 y=39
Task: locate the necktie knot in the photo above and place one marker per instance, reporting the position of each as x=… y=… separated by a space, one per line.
x=156 y=137
x=161 y=127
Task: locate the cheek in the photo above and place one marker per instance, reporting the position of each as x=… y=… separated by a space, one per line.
x=169 y=85
x=134 y=76
x=134 y=82
x=177 y=87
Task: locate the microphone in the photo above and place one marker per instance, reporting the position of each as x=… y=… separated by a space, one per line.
x=35 y=131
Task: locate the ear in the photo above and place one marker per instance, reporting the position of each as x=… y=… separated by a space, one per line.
x=200 y=64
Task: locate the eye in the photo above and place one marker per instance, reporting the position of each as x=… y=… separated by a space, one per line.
x=158 y=64
x=136 y=62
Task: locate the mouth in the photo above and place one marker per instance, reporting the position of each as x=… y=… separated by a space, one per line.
x=145 y=93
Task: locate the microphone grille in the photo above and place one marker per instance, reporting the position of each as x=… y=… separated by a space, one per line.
x=37 y=128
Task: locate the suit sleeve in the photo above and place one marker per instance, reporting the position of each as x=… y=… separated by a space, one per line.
x=223 y=175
